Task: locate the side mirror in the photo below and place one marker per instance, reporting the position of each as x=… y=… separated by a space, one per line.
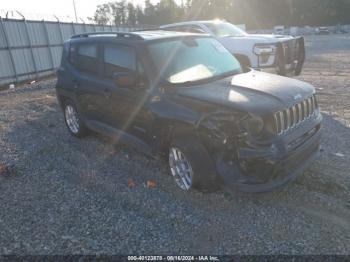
x=126 y=80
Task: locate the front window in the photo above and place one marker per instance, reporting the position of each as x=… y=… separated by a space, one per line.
x=221 y=29
x=192 y=59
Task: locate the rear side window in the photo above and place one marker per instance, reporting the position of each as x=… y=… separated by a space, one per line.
x=118 y=59
x=85 y=58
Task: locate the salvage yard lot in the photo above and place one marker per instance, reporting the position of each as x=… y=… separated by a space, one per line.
x=61 y=195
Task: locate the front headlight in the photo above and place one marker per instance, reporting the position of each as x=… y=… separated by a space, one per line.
x=253 y=124
x=264 y=53
x=264 y=50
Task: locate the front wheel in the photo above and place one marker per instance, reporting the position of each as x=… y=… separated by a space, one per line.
x=191 y=166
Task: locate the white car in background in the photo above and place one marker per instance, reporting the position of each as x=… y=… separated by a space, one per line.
x=282 y=53
x=323 y=30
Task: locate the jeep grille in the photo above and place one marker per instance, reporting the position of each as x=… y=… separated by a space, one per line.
x=293 y=116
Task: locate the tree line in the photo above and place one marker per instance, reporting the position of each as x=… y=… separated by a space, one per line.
x=256 y=14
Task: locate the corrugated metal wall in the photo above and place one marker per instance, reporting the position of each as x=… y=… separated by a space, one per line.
x=32 y=49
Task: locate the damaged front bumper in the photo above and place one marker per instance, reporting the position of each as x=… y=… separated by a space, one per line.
x=274 y=165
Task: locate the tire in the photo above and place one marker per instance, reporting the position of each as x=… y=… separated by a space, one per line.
x=202 y=171
x=73 y=120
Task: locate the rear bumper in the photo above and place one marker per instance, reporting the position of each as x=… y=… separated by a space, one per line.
x=290 y=162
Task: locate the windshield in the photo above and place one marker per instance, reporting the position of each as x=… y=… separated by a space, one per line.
x=192 y=59
x=225 y=29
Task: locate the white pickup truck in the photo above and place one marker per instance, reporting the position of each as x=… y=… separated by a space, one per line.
x=282 y=53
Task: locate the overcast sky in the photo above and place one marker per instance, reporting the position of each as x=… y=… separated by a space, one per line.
x=85 y=8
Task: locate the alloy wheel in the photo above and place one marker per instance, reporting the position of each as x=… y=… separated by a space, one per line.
x=72 y=119
x=180 y=168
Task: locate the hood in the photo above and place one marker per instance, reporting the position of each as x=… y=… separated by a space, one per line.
x=239 y=43
x=254 y=92
x=277 y=38
x=261 y=38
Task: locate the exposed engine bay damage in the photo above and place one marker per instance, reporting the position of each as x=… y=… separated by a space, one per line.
x=242 y=159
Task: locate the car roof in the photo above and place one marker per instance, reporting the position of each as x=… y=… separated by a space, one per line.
x=143 y=36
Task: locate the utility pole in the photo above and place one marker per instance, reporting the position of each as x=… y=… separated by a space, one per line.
x=75 y=12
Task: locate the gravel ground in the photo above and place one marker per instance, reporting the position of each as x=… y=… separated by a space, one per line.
x=61 y=195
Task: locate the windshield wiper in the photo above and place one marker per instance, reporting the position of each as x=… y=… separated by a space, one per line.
x=233 y=35
x=209 y=79
x=227 y=74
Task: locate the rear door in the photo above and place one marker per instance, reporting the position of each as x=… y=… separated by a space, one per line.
x=87 y=81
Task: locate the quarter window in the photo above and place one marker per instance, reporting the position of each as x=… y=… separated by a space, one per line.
x=118 y=59
x=87 y=58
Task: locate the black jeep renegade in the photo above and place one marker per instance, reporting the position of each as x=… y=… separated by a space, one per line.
x=185 y=96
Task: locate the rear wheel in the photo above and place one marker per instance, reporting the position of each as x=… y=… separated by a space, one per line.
x=73 y=120
x=191 y=166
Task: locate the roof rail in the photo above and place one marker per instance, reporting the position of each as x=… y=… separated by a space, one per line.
x=147 y=29
x=117 y=34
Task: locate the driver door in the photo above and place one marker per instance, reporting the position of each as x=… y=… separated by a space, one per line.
x=127 y=105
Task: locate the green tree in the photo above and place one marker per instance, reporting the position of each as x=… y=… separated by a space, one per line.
x=254 y=13
x=131 y=14
x=140 y=17
x=102 y=14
